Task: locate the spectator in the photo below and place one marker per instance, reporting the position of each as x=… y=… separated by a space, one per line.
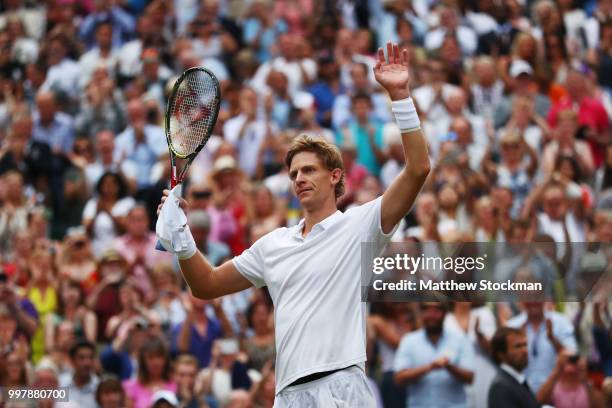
x=590 y=113
x=104 y=297
x=43 y=295
x=259 y=347
x=435 y=363
x=154 y=373
x=247 y=131
x=129 y=58
x=548 y=334
x=185 y=371
x=105 y=11
x=167 y=305
x=77 y=263
x=137 y=246
x=387 y=329
x=478 y=324
x=83 y=383
x=101 y=106
x=569 y=382
x=13 y=213
x=141 y=143
x=31 y=158
x=365 y=134
x=521 y=79
x=106 y=161
x=63 y=72
x=198 y=332
x=299 y=70
x=104 y=216
x=566 y=143
x=343 y=110
x=261 y=29
x=227 y=370
x=200 y=225
x=71 y=308
x=510 y=387
x=50 y=126
x=450 y=24
x=103 y=54
x=110 y=394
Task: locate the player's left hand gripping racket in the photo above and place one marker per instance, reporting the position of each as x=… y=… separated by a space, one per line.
x=190 y=117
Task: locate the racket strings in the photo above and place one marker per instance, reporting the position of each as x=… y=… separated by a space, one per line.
x=192 y=112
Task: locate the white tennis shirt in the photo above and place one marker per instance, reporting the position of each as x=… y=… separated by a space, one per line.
x=315 y=284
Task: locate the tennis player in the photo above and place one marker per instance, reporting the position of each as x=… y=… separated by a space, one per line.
x=312 y=270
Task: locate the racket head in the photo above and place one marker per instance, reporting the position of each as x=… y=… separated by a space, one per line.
x=191 y=114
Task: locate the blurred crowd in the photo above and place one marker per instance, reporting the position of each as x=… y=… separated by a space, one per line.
x=515 y=99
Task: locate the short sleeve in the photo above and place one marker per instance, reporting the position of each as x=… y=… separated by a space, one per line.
x=89 y=212
x=466 y=355
x=403 y=358
x=250 y=263
x=367 y=218
x=564 y=332
x=123 y=207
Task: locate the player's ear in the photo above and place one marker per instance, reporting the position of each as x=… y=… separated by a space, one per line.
x=336 y=175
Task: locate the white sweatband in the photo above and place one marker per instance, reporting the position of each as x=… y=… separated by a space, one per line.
x=184 y=244
x=406 y=115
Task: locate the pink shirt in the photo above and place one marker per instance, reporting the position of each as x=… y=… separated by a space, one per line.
x=141 y=395
x=570 y=398
x=130 y=248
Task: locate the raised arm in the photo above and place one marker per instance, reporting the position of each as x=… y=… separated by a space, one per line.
x=392 y=74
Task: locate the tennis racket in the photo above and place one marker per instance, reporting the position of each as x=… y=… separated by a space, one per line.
x=190 y=117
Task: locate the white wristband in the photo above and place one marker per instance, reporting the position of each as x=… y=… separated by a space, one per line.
x=183 y=243
x=406 y=115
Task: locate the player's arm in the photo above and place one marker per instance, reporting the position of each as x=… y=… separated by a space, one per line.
x=205 y=280
x=393 y=75
x=208 y=282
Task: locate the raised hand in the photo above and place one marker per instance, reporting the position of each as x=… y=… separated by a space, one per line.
x=393 y=74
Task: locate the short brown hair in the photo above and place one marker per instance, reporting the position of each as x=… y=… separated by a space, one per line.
x=325 y=151
x=499 y=342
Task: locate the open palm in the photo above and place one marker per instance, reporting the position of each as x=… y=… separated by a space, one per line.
x=393 y=74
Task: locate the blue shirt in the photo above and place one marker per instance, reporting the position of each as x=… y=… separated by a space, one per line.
x=365 y=153
x=324 y=97
x=59 y=134
x=542 y=354
x=144 y=155
x=200 y=346
x=438 y=388
x=267 y=39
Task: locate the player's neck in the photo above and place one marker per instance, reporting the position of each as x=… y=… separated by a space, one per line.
x=313 y=217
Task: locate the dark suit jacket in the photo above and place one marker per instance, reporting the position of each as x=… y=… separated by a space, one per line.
x=506 y=392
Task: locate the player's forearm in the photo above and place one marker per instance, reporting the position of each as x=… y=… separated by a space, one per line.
x=416 y=153
x=198 y=274
x=410 y=375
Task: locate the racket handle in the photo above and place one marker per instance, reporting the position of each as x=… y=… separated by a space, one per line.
x=159 y=246
x=173 y=183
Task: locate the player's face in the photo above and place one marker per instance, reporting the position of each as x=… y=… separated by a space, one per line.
x=312 y=183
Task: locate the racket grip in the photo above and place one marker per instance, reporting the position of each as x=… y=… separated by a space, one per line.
x=160 y=247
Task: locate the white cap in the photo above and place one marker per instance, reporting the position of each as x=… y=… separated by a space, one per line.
x=303 y=100
x=165 y=395
x=225 y=162
x=519 y=67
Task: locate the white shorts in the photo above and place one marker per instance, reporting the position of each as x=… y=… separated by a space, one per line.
x=347 y=388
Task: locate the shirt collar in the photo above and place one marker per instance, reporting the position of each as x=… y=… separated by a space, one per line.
x=515 y=374
x=324 y=224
